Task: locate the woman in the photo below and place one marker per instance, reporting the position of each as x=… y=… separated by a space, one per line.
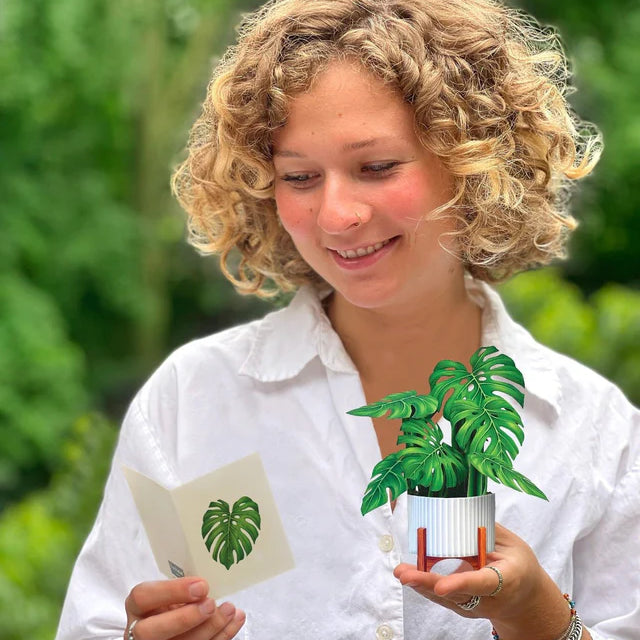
x=387 y=159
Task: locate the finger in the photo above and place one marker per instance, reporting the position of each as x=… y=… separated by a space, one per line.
x=236 y=622
x=147 y=597
x=424 y=583
x=409 y=576
x=223 y=625
x=481 y=583
x=177 y=622
x=220 y=624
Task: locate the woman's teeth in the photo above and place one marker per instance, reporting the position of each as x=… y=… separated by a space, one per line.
x=363 y=251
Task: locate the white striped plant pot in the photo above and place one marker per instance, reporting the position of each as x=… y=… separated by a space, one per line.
x=452 y=524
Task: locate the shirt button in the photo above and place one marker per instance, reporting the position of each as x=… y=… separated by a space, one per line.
x=384 y=632
x=385 y=543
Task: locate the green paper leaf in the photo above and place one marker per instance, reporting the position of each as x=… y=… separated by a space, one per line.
x=387 y=474
x=492 y=428
x=419 y=427
x=490 y=374
x=500 y=471
x=232 y=534
x=483 y=421
x=432 y=463
x=407 y=404
x=420 y=433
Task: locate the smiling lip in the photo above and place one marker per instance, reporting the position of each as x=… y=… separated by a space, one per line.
x=362 y=256
x=362 y=251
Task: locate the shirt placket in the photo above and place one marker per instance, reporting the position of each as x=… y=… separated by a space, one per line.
x=346 y=392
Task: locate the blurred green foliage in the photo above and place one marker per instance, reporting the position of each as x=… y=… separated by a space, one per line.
x=41 y=385
x=601 y=331
x=41 y=535
x=95 y=103
x=603 y=43
x=97 y=283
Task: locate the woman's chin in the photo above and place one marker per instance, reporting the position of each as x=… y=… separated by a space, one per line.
x=374 y=297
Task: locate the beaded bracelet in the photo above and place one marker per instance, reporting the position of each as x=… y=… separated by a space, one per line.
x=574 y=630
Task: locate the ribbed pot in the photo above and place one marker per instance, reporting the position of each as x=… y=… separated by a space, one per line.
x=452 y=524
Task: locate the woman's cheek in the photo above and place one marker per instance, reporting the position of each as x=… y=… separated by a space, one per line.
x=412 y=198
x=400 y=203
x=290 y=211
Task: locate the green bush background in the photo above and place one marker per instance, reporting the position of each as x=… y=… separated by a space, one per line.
x=97 y=284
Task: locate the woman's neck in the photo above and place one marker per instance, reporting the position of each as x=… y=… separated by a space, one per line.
x=396 y=348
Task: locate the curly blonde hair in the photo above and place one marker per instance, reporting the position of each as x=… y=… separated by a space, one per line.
x=488 y=87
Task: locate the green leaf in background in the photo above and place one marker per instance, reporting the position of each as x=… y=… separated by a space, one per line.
x=387 y=474
x=407 y=404
x=489 y=375
x=232 y=534
x=502 y=472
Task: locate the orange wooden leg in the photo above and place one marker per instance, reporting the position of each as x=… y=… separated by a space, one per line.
x=426 y=563
x=422 y=549
x=482 y=547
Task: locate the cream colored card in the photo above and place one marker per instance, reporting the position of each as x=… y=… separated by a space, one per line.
x=223 y=526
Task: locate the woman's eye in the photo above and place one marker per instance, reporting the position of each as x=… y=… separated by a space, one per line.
x=298 y=180
x=379 y=168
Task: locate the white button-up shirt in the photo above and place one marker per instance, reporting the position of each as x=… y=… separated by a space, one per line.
x=281 y=386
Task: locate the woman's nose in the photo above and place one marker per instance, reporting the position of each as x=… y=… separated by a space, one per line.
x=340 y=210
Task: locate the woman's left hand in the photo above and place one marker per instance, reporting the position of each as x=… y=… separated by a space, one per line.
x=527 y=590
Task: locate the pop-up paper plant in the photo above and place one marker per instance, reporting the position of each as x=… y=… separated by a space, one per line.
x=447 y=483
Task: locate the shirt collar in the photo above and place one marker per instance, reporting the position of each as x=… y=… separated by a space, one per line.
x=499 y=329
x=274 y=356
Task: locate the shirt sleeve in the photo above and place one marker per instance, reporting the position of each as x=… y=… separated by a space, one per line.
x=117 y=553
x=607 y=558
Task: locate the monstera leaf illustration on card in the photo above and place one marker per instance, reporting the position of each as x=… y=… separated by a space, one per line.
x=229 y=534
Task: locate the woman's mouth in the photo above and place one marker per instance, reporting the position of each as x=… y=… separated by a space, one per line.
x=365 y=256
x=362 y=251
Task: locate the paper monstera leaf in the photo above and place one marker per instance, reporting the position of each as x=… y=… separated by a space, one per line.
x=230 y=534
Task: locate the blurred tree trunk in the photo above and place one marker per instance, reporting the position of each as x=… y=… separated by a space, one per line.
x=171 y=82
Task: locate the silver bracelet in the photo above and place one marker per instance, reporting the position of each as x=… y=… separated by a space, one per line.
x=574 y=630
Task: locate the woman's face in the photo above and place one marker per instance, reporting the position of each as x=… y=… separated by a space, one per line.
x=354 y=188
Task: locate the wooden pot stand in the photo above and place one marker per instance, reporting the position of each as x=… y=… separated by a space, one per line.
x=426 y=563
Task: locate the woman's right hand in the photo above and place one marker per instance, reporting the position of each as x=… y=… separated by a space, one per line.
x=180 y=608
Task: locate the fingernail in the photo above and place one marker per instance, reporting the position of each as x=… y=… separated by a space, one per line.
x=411 y=584
x=198 y=590
x=207 y=607
x=227 y=609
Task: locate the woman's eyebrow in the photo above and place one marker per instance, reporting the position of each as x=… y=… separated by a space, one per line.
x=349 y=146
x=285 y=153
x=360 y=144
